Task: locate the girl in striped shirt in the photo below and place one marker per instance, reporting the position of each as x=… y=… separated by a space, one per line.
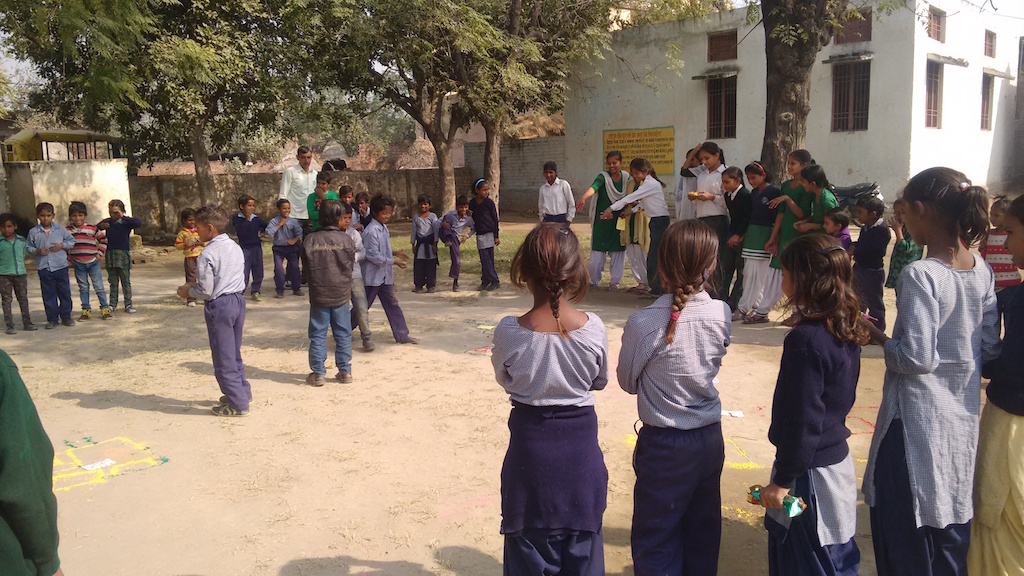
x=993 y=250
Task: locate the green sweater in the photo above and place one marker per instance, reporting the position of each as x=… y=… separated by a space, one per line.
x=28 y=508
x=314 y=208
x=12 y=256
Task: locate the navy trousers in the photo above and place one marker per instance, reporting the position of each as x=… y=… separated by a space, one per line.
x=798 y=552
x=455 y=251
x=424 y=272
x=565 y=552
x=286 y=255
x=56 y=289
x=657 y=227
x=677 y=502
x=557 y=218
x=488 y=275
x=392 y=310
x=253 y=265
x=720 y=224
x=901 y=547
x=225 y=317
x=869 y=285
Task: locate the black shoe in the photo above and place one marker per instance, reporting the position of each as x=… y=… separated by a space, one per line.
x=11 y=330
x=68 y=322
x=483 y=286
x=30 y=327
x=493 y=287
x=51 y=325
x=417 y=289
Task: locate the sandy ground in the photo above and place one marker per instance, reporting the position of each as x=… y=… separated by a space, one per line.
x=397 y=473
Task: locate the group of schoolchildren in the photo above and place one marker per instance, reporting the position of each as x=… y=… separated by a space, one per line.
x=57 y=248
x=928 y=473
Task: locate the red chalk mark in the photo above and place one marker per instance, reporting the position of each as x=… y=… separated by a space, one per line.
x=864 y=420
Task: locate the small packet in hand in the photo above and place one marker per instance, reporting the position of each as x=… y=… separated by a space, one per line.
x=791 y=505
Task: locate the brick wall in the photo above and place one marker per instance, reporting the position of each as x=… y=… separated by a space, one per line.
x=522 y=173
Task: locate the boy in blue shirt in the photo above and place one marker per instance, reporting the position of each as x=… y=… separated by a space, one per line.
x=248 y=227
x=220 y=282
x=50 y=245
x=13 y=274
x=287 y=234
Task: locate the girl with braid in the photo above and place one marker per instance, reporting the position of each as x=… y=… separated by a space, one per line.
x=554 y=483
x=671 y=352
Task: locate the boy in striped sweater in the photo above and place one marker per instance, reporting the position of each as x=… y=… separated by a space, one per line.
x=90 y=244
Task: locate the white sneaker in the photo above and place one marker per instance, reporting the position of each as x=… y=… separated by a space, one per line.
x=191 y=304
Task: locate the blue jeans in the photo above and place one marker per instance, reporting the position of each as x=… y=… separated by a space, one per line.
x=340 y=321
x=85 y=272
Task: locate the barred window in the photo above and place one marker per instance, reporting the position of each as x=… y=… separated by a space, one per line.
x=851 y=85
x=936 y=24
x=987 y=88
x=933 y=95
x=990 y=44
x=722 y=107
x=722 y=46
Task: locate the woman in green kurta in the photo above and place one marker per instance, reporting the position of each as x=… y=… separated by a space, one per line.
x=606 y=239
x=824 y=200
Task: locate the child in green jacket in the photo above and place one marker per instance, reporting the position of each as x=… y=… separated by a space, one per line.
x=13 y=276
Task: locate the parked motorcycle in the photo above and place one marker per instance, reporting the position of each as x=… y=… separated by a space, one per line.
x=850 y=196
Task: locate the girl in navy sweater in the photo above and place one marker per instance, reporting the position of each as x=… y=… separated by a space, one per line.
x=816 y=389
x=485 y=220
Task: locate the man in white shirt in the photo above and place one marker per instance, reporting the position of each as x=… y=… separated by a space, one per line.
x=297 y=183
x=556 y=202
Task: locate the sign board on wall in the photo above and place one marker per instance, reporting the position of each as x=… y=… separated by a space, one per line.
x=657 y=145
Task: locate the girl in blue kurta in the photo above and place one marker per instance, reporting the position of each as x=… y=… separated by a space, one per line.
x=554 y=483
x=815 y=391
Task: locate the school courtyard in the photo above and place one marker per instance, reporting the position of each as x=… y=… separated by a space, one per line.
x=396 y=474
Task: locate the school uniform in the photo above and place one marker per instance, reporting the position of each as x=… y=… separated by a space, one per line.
x=815 y=391
x=920 y=472
x=286 y=256
x=248 y=232
x=53 y=270
x=554 y=483
x=650 y=196
x=636 y=235
x=762 y=284
x=556 y=203
x=869 y=269
x=379 y=277
x=680 y=451
x=220 y=281
x=360 y=310
x=715 y=214
x=424 y=241
x=452 y=237
x=686 y=209
x=485 y=218
x=730 y=259
x=845 y=240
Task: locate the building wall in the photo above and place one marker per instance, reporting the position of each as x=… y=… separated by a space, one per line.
x=158 y=200
x=94 y=182
x=636 y=86
x=522 y=163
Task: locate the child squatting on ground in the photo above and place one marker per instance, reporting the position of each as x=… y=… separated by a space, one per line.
x=328 y=255
x=554 y=483
x=220 y=281
x=50 y=244
x=13 y=274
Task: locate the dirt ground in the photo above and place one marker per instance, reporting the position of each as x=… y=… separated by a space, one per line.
x=395 y=474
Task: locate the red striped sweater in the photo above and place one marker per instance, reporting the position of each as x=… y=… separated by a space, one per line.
x=90 y=244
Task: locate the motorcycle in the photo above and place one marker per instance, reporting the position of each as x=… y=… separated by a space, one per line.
x=850 y=196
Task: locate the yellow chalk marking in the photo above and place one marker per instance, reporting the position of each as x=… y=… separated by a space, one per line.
x=129 y=455
x=752 y=518
x=748 y=465
x=631 y=439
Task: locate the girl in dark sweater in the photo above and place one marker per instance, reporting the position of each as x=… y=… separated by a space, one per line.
x=816 y=389
x=485 y=220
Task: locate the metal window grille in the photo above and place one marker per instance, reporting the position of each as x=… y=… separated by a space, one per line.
x=855 y=29
x=851 y=86
x=722 y=107
x=990 y=44
x=987 y=86
x=936 y=24
x=722 y=46
x=933 y=95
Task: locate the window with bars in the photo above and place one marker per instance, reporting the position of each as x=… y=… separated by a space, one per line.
x=936 y=24
x=855 y=29
x=933 y=95
x=722 y=107
x=851 y=84
x=987 y=89
x=722 y=46
x=990 y=44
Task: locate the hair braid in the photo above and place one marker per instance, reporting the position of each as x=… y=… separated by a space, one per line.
x=555 y=290
x=680 y=298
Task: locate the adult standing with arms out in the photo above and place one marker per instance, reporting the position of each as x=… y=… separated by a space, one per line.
x=606 y=241
x=297 y=183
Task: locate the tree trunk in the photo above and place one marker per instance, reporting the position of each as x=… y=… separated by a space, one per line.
x=201 y=159
x=788 y=87
x=446 y=167
x=492 y=156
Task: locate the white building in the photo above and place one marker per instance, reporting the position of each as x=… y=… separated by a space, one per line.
x=893 y=95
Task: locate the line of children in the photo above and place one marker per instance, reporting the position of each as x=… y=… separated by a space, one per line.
x=730 y=254
x=761 y=282
x=378 y=268
x=220 y=281
x=248 y=227
x=868 y=259
x=451 y=229
x=554 y=483
x=905 y=251
x=13 y=274
x=424 y=237
x=556 y=203
x=90 y=244
x=118 y=258
x=485 y=221
x=329 y=255
x=286 y=234
x=190 y=246
x=50 y=245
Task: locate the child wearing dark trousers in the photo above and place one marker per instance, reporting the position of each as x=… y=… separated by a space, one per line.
x=450 y=232
x=671 y=353
x=868 y=255
x=188 y=242
x=221 y=283
x=248 y=227
x=740 y=204
x=13 y=274
x=118 y=258
x=554 y=483
x=287 y=237
x=485 y=220
x=50 y=245
x=424 y=246
x=815 y=391
x=378 y=268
